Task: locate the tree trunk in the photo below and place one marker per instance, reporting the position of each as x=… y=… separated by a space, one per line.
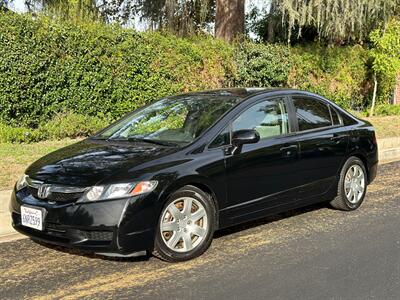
x=170 y=11
x=229 y=19
x=271 y=23
x=371 y=113
x=396 y=97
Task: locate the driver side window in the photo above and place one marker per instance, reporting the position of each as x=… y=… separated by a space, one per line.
x=269 y=118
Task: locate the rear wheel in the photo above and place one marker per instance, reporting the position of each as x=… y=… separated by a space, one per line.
x=186 y=225
x=352 y=185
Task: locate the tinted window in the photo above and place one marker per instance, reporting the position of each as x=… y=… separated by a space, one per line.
x=347 y=120
x=311 y=113
x=269 y=118
x=335 y=116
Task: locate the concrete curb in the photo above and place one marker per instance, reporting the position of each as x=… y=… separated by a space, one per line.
x=7 y=233
x=389 y=150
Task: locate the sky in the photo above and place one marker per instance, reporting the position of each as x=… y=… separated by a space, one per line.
x=18 y=6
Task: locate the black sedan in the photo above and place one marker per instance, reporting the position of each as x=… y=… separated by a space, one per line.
x=164 y=178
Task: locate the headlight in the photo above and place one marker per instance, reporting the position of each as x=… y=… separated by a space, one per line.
x=118 y=190
x=21 y=183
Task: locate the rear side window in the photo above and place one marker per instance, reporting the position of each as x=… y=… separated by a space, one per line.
x=311 y=113
x=347 y=120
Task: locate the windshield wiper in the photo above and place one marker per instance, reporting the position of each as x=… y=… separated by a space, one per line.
x=150 y=141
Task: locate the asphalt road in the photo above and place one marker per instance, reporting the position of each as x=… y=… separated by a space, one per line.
x=313 y=253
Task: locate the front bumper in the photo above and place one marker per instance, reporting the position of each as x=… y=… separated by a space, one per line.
x=121 y=226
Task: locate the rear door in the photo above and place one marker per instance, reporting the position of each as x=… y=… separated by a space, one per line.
x=322 y=144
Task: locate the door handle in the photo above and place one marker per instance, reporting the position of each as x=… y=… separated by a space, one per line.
x=289 y=151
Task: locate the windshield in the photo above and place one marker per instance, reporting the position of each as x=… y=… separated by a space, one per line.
x=174 y=120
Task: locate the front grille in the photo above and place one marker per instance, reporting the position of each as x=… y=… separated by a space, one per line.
x=64 y=197
x=56 y=196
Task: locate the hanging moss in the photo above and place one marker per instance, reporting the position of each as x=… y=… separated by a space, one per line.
x=335 y=20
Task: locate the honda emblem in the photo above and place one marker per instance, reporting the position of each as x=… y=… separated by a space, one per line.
x=43 y=191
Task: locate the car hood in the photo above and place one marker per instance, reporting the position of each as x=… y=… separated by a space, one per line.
x=88 y=162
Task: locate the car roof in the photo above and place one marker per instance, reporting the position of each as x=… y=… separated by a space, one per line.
x=234 y=92
x=242 y=93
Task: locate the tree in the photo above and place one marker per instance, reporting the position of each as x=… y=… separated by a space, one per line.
x=67 y=9
x=386 y=57
x=3 y=4
x=229 y=19
x=336 y=21
x=181 y=17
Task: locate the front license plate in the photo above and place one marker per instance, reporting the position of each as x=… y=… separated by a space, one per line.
x=32 y=217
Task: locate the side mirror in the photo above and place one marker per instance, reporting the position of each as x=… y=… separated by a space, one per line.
x=241 y=137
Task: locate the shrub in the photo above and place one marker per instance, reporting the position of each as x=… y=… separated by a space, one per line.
x=10 y=134
x=65 y=125
x=385 y=55
x=341 y=74
x=50 y=66
x=387 y=110
x=98 y=72
x=71 y=125
x=262 y=65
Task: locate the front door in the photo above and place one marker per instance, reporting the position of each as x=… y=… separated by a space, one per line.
x=263 y=175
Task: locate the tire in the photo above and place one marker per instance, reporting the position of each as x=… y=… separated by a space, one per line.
x=346 y=200
x=191 y=232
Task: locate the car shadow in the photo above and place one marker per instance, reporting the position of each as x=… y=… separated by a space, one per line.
x=268 y=219
x=91 y=255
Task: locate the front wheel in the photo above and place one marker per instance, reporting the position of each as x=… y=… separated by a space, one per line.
x=186 y=225
x=352 y=185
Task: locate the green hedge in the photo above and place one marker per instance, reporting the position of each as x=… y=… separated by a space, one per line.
x=341 y=74
x=261 y=65
x=72 y=125
x=387 y=110
x=9 y=134
x=48 y=67
x=94 y=73
x=63 y=125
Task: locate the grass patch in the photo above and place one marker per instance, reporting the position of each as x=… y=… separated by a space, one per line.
x=15 y=158
x=387 y=126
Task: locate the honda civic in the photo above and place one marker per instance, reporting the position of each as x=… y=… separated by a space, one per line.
x=165 y=177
